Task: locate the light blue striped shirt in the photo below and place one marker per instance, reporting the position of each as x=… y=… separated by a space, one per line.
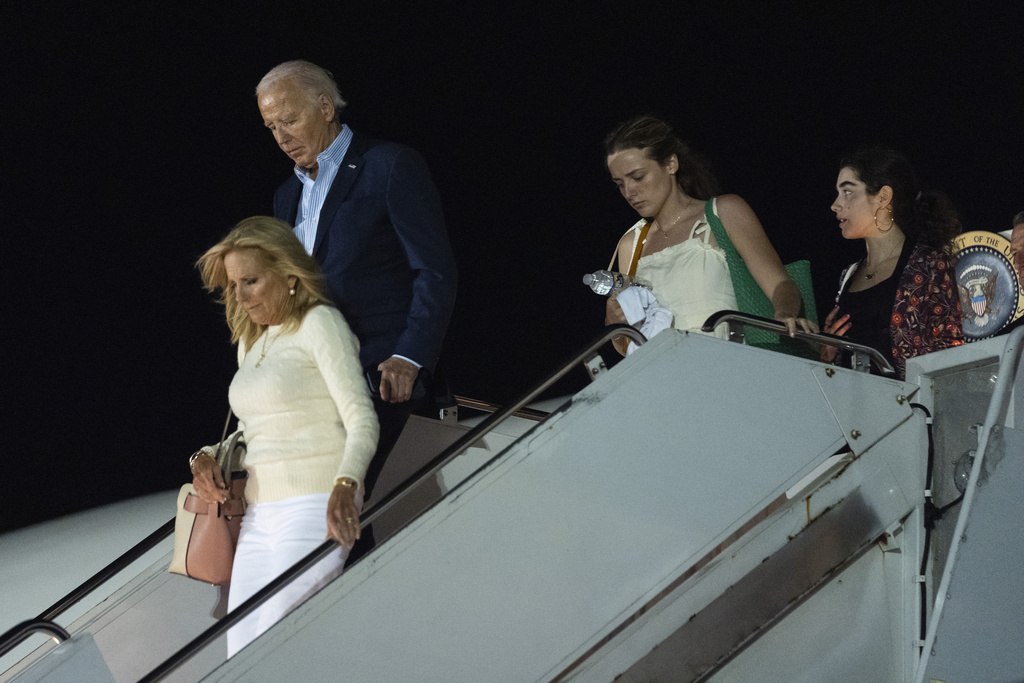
x=314 y=192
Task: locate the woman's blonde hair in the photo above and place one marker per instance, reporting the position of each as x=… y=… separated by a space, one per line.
x=279 y=251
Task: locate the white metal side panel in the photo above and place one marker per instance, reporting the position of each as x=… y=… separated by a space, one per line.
x=790 y=555
x=980 y=632
x=586 y=518
x=844 y=634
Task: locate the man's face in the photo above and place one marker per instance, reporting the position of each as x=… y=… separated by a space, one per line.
x=302 y=128
x=1017 y=249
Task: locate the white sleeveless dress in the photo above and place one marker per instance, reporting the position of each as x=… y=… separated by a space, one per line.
x=691 y=278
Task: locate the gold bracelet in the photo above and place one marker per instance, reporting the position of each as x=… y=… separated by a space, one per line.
x=348 y=483
x=192 y=459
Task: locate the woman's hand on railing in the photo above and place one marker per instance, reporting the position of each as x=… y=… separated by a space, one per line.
x=838 y=327
x=207 y=479
x=792 y=323
x=343 y=513
x=613 y=315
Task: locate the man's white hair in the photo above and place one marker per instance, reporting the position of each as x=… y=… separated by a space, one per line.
x=311 y=79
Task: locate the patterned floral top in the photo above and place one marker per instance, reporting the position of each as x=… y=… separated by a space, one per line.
x=926 y=313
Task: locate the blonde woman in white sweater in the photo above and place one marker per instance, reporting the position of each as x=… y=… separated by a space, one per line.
x=304 y=411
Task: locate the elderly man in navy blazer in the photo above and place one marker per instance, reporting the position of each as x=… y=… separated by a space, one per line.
x=369 y=213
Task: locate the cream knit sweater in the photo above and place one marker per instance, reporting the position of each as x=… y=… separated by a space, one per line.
x=306 y=411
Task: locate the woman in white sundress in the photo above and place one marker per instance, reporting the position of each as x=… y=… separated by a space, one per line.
x=676 y=197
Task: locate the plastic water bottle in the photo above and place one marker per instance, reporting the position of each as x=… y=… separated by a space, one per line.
x=607 y=282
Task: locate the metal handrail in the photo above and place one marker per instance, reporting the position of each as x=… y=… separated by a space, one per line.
x=386 y=503
x=44 y=622
x=476 y=404
x=736 y=320
x=15 y=635
x=18 y=633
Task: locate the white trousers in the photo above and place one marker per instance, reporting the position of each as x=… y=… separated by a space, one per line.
x=274 y=536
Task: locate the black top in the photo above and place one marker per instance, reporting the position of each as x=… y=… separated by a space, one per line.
x=870 y=311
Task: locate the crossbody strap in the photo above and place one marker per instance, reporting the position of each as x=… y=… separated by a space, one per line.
x=732 y=257
x=638 y=246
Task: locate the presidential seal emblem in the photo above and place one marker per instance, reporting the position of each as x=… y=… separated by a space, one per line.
x=990 y=294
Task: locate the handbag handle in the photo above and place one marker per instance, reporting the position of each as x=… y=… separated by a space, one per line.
x=226 y=452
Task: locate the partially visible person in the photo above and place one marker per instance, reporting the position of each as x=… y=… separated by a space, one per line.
x=371 y=216
x=673 y=192
x=1017 y=253
x=1017 y=245
x=303 y=409
x=902 y=297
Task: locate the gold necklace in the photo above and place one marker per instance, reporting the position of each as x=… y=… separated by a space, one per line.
x=871 y=275
x=266 y=347
x=664 y=232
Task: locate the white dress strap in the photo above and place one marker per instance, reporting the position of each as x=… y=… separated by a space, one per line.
x=702 y=230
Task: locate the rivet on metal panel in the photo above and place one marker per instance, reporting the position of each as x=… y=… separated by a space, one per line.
x=595 y=365
x=829 y=372
x=901 y=399
x=855 y=433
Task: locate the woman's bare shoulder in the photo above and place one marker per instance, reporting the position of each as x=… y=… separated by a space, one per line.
x=732 y=204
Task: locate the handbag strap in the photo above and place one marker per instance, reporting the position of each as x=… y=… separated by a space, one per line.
x=638 y=248
x=749 y=297
x=225 y=451
x=732 y=257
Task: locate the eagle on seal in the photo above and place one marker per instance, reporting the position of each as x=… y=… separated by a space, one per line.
x=976 y=297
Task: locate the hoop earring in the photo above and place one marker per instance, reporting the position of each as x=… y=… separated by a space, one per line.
x=892 y=219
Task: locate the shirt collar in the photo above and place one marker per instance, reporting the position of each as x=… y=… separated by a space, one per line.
x=330 y=157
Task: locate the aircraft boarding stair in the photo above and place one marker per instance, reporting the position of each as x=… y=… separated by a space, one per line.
x=703 y=511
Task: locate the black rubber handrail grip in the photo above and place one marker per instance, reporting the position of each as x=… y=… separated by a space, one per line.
x=471 y=437
x=151 y=541
x=19 y=632
x=88 y=586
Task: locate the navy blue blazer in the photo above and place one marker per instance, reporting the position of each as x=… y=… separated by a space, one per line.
x=383 y=247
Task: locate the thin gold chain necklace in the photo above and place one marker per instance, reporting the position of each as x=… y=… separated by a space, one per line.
x=664 y=232
x=871 y=275
x=267 y=347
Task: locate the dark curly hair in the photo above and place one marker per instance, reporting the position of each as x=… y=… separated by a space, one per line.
x=657 y=139
x=925 y=217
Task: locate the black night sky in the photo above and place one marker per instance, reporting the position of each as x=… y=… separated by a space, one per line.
x=131 y=142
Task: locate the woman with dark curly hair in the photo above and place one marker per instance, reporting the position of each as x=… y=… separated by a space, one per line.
x=901 y=298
